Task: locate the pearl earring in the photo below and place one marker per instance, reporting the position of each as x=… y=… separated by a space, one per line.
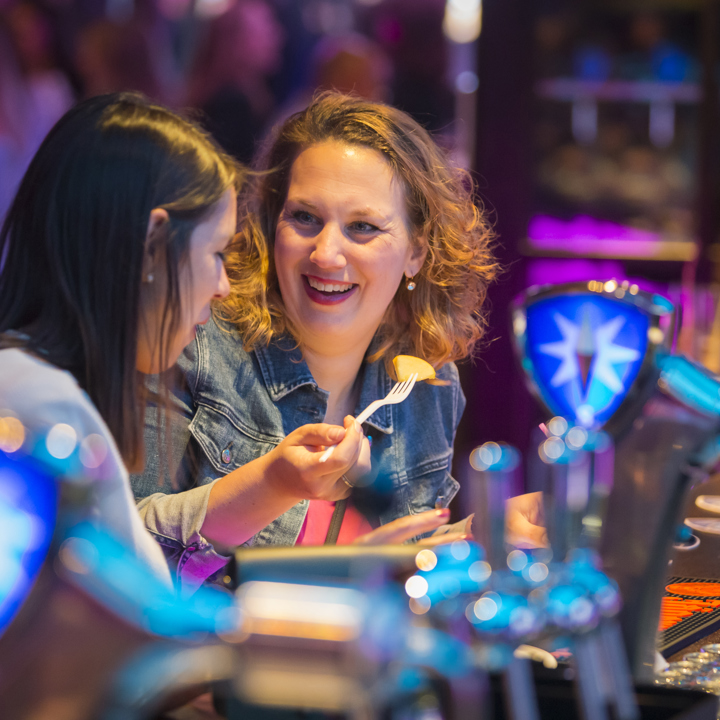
x=410 y=284
x=150 y=278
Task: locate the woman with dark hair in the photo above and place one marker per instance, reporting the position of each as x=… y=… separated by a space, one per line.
x=110 y=256
x=358 y=242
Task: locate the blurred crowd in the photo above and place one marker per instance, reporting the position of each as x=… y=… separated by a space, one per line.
x=238 y=66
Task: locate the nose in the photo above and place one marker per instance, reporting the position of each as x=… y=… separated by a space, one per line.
x=223 y=286
x=328 y=251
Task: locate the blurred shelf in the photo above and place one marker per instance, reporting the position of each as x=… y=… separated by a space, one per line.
x=634 y=6
x=570 y=90
x=657 y=250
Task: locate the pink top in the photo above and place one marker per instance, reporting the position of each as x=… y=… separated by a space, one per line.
x=317 y=523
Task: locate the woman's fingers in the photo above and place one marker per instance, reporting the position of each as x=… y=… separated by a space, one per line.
x=347 y=451
x=462 y=527
x=435 y=540
x=339 y=491
x=318 y=435
x=405 y=528
x=523 y=521
x=520 y=532
x=362 y=466
x=305 y=475
x=530 y=505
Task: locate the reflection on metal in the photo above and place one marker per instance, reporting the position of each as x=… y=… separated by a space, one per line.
x=302 y=611
x=156 y=672
x=690 y=383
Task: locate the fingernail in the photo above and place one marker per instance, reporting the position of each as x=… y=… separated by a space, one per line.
x=358 y=427
x=336 y=433
x=444 y=512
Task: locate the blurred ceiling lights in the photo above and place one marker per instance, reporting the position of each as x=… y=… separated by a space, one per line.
x=463 y=19
x=212 y=8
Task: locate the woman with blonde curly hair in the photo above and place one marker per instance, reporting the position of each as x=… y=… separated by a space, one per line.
x=358 y=242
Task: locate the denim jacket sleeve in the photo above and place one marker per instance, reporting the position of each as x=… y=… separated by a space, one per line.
x=171 y=505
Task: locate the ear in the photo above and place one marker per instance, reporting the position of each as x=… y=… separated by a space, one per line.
x=155 y=232
x=417 y=257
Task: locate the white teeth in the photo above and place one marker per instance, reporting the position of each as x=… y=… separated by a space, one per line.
x=322 y=287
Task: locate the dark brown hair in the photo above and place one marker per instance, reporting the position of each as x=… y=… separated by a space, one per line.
x=72 y=244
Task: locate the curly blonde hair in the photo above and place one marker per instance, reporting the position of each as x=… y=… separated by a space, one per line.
x=441 y=319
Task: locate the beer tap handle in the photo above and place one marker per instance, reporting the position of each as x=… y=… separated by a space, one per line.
x=495 y=466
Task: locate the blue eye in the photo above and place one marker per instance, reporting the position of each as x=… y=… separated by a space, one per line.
x=364 y=227
x=303 y=217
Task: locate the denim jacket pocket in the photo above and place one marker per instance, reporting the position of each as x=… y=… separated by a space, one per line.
x=429 y=483
x=226 y=445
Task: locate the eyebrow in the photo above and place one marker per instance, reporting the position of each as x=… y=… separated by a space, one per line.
x=365 y=212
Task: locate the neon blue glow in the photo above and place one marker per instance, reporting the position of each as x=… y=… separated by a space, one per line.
x=123 y=584
x=584 y=352
x=28 y=508
x=436 y=649
x=692 y=384
x=504 y=613
x=454 y=573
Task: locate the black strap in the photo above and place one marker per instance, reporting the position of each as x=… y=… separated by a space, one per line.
x=336 y=522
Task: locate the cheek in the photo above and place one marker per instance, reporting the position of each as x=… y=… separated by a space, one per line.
x=386 y=266
x=287 y=253
x=197 y=287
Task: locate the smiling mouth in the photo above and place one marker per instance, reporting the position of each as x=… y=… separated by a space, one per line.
x=327 y=289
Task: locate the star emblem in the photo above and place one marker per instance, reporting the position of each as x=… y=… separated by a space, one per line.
x=583 y=350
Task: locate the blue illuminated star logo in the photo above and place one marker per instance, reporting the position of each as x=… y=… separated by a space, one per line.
x=584 y=349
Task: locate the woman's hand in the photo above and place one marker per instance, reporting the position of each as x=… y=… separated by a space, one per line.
x=410 y=526
x=248 y=499
x=363 y=464
x=462 y=527
x=525 y=521
x=295 y=469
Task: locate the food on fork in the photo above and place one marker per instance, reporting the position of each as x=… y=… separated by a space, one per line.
x=407 y=365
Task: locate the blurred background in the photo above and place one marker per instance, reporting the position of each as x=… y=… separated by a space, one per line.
x=592 y=127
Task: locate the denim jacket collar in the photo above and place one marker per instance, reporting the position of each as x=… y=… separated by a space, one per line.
x=283 y=368
x=284 y=371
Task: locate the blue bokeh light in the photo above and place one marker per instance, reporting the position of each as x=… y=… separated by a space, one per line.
x=28 y=509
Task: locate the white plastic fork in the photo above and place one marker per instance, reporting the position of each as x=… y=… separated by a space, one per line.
x=397 y=394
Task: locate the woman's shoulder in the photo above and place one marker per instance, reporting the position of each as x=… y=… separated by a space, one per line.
x=445 y=392
x=219 y=347
x=42 y=395
x=448 y=373
x=27 y=377
x=217 y=366
x=436 y=405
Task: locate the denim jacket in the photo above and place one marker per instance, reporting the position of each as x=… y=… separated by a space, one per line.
x=234 y=406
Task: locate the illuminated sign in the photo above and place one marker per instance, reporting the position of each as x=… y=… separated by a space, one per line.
x=583 y=352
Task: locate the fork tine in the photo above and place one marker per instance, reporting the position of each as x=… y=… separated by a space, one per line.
x=397 y=394
x=403 y=389
x=410 y=384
